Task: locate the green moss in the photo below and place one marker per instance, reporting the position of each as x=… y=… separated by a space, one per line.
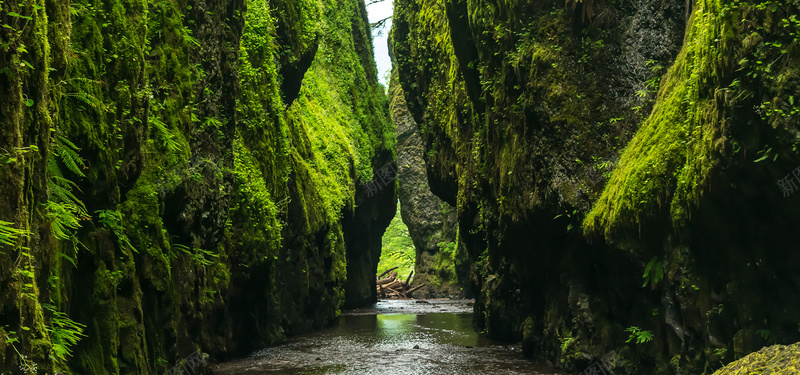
x=670 y=158
x=694 y=127
x=193 y=201
x=777 y=359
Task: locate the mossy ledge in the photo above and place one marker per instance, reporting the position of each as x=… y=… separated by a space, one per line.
x=771 y=360
x=163 y=195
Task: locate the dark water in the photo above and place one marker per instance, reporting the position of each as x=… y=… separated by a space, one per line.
x=382 y=340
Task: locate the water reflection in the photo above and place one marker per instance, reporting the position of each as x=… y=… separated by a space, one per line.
x=435 y=343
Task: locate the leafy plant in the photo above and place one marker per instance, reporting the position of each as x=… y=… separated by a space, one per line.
x=111 y=219
x=198 y=255
x=764 y=333
x=64 y=333
x=9 y=235
x=569 y=215
x=64 y=210
x=638 y=335
x=566 y=342
x=653 y=273
x=169 y=139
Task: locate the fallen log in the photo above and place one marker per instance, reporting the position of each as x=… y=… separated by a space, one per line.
x=415 y=288
x=386 y=272
x=394 y=284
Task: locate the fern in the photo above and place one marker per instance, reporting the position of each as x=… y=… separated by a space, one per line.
x=64 y=209
x=88 y=99
x=62 y=219
x=111 y=219
x=68 y=153
x=9 y=234
x=168 y=137
x=64 y=333
x=198 y=257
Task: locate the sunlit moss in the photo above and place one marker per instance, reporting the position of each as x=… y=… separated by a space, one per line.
x=671 y=157
x=772 y=360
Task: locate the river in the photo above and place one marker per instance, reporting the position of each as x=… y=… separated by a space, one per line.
x=392 y=337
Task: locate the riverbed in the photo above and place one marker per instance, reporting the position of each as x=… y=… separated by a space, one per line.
x=392 y=337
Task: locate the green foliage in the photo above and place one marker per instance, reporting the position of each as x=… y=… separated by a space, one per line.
x=444 y=263
x=200 y=257
x=721 y=352
x=653 y=272
x=397 y=248
x=10 y=235
x=64 y=333
x=666 y=166
x=64 y=210
x=570 y=216
x=566 y=342
x=112 y=220
x=638 y=336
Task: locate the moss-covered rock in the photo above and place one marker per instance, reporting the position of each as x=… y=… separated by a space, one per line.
x=594 y=148
x=183 y=176
x=776 y=359
x=431 y=222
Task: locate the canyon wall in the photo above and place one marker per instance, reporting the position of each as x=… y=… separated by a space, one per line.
x=614 y=166
x=182 y=176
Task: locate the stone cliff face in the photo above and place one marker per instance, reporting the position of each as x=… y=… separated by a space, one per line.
x=431 y=222
x=594 y=148
x=182 y=176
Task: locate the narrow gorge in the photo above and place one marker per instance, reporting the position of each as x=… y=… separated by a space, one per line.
x=197 y=179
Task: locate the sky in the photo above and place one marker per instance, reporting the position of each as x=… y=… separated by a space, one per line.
x=377 y=12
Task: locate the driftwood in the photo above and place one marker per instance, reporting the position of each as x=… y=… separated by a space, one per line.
x=386 y=272
x=393 y=286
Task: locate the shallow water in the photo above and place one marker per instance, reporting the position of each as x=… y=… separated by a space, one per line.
x=382 y=340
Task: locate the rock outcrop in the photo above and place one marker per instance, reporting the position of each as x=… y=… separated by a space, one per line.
x=771 y=360
x=431 y=222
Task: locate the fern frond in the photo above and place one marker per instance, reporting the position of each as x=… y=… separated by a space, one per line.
x=52 y=166
x=62 y=182
x=111 y=219
x=63 y=220
x=65 y=195
x=88 y=99
x=64 y=333
x=68 y=153
x=9 y=234
x=166 y=135
x=64 y=141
